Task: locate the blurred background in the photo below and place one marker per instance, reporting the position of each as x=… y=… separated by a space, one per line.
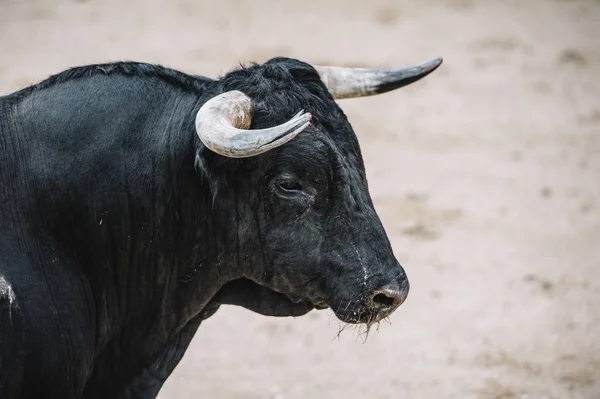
x=486 y=175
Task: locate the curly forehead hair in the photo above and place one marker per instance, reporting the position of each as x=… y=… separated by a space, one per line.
x=281 y=87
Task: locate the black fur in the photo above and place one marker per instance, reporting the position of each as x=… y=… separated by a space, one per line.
x=120 y=232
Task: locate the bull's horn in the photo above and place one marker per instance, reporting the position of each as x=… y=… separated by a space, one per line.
x=361 y=82
x=222 y=123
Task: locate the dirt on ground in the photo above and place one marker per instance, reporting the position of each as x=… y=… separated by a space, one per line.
x=486 y=175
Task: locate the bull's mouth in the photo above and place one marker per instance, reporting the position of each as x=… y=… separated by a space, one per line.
x=380 y=305
x=363 y=316
x=360 y=315
x=352 y=313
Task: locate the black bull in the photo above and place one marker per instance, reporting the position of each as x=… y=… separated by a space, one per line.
x=132 y=207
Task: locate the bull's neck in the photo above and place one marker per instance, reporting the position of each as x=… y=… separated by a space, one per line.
x=146 y=233
x=174 y=237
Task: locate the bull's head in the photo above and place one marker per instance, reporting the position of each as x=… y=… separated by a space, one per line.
x=308 y=229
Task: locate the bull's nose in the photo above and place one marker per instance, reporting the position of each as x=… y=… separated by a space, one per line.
x=387 y=299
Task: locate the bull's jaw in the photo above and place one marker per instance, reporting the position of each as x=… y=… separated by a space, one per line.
x=261 y=299
x=318 y=304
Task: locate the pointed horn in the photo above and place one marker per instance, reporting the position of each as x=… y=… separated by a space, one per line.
x=360 y=82
x=222 y=123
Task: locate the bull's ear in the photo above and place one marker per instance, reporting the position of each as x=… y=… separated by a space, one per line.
x=360 y=82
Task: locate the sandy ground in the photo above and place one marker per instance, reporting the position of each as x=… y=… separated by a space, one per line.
x=486 y=176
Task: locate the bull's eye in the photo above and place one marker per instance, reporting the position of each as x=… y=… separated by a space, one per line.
x=292 y=190
x=290 y=186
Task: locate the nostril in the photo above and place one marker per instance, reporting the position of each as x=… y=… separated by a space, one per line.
x=386 y=299
x=383 y=300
